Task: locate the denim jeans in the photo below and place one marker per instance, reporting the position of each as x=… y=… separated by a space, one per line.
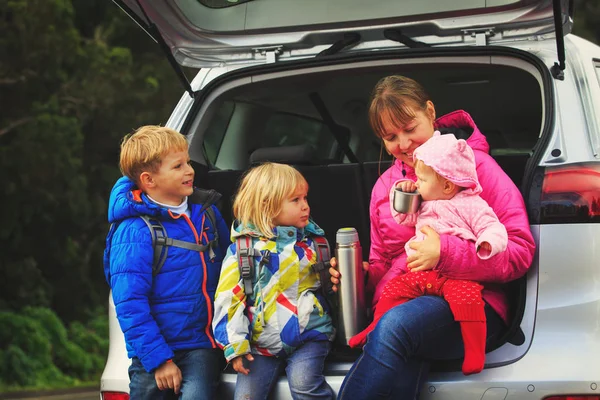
x=304 y=369
x=393 y=364
x=200 y=369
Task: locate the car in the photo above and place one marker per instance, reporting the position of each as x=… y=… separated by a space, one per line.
x=290 y=81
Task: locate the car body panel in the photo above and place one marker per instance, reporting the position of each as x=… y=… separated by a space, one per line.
x=262 y=31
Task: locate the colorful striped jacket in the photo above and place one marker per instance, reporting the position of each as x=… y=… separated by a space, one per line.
x=286 y=308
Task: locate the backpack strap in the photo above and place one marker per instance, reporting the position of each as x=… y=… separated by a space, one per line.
x=161 y=243
x=245 y=253
x=321 y=267
x=210 y=213
x=208 y=198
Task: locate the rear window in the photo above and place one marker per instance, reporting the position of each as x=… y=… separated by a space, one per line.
x=237 y=129
x=290 y=130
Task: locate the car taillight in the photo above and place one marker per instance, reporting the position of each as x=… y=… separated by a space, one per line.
x=573 y=398
x=571 y=194
x=115 y=396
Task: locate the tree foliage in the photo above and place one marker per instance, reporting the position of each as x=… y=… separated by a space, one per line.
x=75 y=77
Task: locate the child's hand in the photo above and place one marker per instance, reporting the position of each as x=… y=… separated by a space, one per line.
x=168 y=376
x=407 y=186
x=238 y=363
x=485 y=246
x=336 y=275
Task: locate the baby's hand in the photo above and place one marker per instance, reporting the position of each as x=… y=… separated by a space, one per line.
x=407 y=186
x=485 y=248
x=238 y=363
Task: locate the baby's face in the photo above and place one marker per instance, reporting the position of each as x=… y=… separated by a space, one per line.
x=429 y=185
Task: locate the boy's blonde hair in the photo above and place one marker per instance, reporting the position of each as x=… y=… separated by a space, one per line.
x=144 y=149
x=262 y=193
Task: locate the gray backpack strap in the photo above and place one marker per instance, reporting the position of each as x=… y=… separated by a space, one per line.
x=321 y=267
x=161 y=243
x=245 y=255
x=210 y=213
x=157 y=234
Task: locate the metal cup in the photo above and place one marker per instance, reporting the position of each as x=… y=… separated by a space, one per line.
x=406 y=202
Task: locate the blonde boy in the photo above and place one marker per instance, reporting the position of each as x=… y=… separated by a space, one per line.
x=165 y=313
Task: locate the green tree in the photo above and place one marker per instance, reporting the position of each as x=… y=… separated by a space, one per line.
x=70 y=89
x=586 y=17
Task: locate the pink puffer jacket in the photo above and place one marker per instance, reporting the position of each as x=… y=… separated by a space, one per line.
x=458 y=258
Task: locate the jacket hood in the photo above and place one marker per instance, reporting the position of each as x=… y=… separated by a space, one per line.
x=127 y=201
x=462 y=125
x=451 y=158
x=238 y=230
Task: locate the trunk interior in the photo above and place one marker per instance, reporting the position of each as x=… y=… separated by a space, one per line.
x=309 y=117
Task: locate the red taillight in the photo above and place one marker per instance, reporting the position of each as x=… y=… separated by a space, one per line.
x=115 y=396
x=571 y=194
x=573 y=398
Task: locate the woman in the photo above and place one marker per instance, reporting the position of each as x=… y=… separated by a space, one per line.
x=393 y=364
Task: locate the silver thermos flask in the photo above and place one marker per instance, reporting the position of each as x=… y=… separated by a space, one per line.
x=352 y=310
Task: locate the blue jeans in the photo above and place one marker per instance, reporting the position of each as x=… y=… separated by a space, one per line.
x=393 y=362
x=200 y=369
x=304 y=369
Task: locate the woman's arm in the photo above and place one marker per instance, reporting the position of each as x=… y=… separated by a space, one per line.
x=458 y=257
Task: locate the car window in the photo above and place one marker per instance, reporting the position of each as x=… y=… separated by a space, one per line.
x=284 y=129
x=213 y=138
x=238 y=128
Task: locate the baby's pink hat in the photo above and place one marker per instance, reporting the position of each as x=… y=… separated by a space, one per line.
x=452 y=158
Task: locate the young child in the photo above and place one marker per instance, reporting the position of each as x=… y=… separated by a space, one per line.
x=165 y=315
x=448 y=185
x=284 y=322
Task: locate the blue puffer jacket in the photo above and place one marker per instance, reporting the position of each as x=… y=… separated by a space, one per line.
x=174 y=309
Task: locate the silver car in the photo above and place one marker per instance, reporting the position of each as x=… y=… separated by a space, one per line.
x=289 y=81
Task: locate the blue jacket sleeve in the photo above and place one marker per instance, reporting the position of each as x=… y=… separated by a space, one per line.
x=131 y=282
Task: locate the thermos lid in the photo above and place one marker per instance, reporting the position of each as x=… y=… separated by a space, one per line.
x=346 y=236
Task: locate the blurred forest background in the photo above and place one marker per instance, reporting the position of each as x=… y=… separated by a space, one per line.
x=75 y=77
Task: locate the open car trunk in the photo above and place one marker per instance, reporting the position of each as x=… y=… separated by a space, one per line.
x=315 y=117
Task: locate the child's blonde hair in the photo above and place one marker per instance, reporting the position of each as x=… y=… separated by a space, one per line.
x=144 y=149
x=262 y=193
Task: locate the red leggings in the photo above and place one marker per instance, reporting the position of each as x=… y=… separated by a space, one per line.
x=464 y=298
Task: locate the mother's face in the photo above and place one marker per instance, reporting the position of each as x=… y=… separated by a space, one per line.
x=401 y=140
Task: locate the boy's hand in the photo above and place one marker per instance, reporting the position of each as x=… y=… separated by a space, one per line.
x=238 y=363
x=336 y=275
x=407 y=186
x=168 y=376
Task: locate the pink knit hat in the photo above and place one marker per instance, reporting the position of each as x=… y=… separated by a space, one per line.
x=451 y=158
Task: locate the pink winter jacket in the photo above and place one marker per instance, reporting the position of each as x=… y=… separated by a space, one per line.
x=458 y=257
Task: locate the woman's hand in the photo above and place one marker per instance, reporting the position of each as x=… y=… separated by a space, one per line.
x=336 y=275
x=238 y=363
x=427 y=251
